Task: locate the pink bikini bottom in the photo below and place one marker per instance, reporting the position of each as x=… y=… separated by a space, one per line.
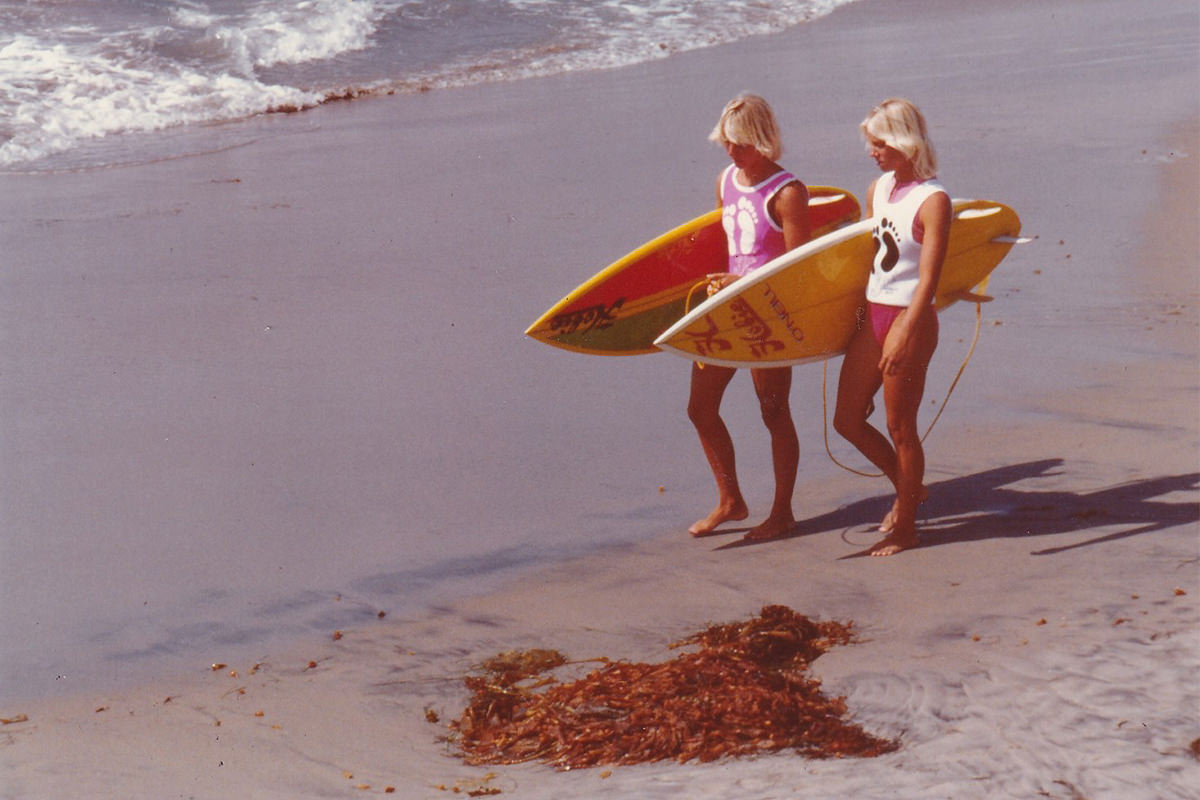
x=882 y=317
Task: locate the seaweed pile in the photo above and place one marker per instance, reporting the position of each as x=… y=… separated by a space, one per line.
x=742 y=689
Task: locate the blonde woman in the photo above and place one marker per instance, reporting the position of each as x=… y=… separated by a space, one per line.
x=895 y=343
x=765 y=214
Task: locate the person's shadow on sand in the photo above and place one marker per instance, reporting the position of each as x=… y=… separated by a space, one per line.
x=984 y=506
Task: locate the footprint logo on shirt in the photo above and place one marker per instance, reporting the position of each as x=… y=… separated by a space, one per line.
x=729 y=223
x=747 y=226
x=885 y=238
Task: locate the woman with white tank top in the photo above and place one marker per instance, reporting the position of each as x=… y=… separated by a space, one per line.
x=899 y=331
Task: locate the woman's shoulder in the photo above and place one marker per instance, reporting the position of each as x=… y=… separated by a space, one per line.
x=933 y=193
x=787 y=180
x=873 y=188
x=791 y=191
x=884 y=182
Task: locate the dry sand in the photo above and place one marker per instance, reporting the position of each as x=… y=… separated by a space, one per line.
x=1043 y=642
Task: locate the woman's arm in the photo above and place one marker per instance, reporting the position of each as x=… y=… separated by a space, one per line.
x=719 y=280
x=935 y=218
x=790 y=209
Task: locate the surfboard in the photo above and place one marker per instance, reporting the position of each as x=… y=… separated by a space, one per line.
x=624 y=307
x=802 y=306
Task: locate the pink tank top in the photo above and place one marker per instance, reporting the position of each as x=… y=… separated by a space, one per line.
x=754 y=238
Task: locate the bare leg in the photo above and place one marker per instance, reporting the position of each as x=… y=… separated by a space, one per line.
x=859 y=381
x=704 y=407
x=773 y=387
x=889 y=520
x=902 y=393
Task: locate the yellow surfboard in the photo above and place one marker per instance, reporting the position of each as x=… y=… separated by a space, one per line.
x=802 y=306
x=624 y=307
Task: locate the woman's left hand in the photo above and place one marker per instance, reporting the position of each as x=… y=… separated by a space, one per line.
x=901 y=349
x=897 y=348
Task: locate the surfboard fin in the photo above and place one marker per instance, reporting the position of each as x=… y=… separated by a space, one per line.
x=971 y=297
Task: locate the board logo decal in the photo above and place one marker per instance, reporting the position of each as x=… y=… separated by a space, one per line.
x=781 y=311
x=596 y=317
x=755 y=329
x=707 y=342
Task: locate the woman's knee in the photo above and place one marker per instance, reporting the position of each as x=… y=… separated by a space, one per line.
x=703 y=414
x=847 y=425
x=903 y=431
x=775 y=412
x=850 y=418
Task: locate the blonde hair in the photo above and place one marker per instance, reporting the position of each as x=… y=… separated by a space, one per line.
x=749 y=120
x=899 y=124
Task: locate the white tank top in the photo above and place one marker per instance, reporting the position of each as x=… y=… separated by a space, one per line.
x=895 y=270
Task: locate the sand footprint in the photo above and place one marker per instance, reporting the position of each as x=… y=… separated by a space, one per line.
x=887 y=251
x=747 y=223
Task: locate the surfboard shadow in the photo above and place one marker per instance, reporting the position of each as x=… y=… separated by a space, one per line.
x=988 y=505
x=958 y=515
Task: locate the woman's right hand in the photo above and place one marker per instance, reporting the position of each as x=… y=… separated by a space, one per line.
x=718 y=281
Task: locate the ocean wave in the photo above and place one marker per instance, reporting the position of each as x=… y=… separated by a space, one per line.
x=54 y=98
x=73 y=73
x=314 y=30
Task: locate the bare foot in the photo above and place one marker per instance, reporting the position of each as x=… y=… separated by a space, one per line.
x=894 y=543
x=770 y=528
x=719 y=515
x=889 y=521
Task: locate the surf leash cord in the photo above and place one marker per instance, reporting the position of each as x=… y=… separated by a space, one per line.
x=979 y=301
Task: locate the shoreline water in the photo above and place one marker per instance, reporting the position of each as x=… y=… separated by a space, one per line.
x=131 y=83
x=1062 y=490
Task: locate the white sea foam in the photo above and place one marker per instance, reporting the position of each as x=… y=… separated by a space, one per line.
x=307 y=31
x=57 y=96
x=74 y=73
